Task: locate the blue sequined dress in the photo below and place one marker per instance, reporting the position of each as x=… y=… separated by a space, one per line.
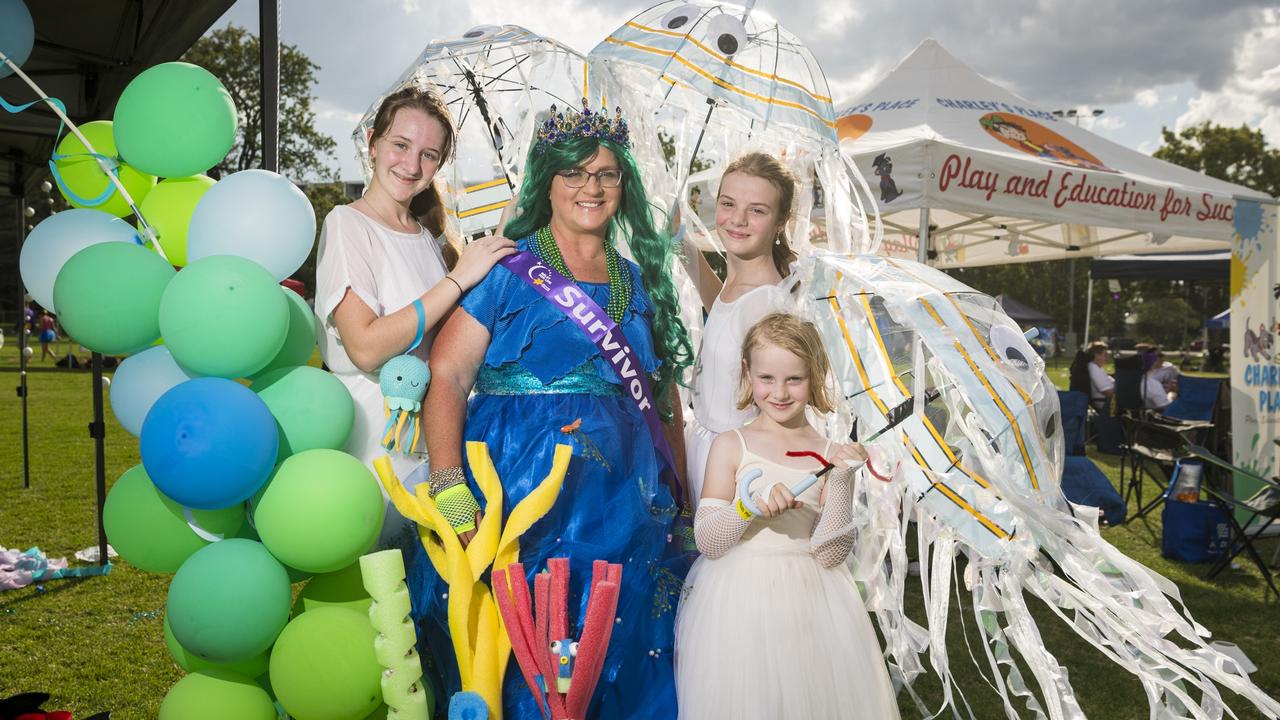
x=541 y=373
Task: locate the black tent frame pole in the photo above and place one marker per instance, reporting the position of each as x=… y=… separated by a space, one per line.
x=97 y=431
x=21 y=335
x=269 y=42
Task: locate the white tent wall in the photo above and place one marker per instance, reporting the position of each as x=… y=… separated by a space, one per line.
x=1005 y=181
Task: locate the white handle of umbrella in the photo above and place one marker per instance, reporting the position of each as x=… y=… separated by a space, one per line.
x=745 y=504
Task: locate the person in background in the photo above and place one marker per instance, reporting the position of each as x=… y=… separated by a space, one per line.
x=1155 y=394
x=1101 y=385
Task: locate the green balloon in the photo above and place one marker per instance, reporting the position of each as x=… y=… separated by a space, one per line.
x=251 y=668
x=343 y=588
x=223 y=316
x=323 y=666
x=175 y=120
x=312 y=408
x=108 y=297
x=82 y=179
x=322 y=509
x=168 y=209
x=217 y=695
x=229 y=601
x=300 y=342
x=151 y=531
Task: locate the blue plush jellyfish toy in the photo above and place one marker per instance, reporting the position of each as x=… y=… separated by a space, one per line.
x=404 y=381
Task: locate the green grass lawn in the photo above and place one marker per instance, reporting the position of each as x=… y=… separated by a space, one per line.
x=96 y=644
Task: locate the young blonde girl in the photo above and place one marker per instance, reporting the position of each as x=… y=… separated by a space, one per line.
x=753 y=207
x=772 y=624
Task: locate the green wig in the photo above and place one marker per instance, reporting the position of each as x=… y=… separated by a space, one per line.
x=634 y=220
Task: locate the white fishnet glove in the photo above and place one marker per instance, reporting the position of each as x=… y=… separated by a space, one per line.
x=717 y=527
x=832 y=537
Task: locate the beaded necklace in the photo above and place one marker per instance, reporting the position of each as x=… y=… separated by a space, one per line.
x=620 y=289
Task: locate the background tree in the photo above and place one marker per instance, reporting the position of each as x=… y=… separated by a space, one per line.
x=232 y=54
x=1237 y=155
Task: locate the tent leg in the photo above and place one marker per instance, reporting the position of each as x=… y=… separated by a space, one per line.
x=269 y=43
x=97 y=430
x=1088 y=310
x=20 y=337
x=922 y=253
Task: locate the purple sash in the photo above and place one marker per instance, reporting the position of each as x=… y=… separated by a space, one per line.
x=596 y=324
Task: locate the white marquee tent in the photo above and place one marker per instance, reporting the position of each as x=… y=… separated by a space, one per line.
x=996 y=179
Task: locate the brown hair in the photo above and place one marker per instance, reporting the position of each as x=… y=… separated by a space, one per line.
x=1094 y=349
x=428 y=205
x=767 y=167
x=798 y=337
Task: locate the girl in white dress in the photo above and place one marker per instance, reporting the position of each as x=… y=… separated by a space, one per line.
x=376 y=259
x=771 y=624
x=753 y=206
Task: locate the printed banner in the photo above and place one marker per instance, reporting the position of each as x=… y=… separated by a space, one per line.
x=1255 y=366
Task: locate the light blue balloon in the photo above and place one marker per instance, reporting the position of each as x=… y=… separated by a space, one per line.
x=139 y=381
x=255 y=214
x=17 y=33
x=60 y=236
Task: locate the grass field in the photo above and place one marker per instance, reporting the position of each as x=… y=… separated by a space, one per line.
x=96 y=644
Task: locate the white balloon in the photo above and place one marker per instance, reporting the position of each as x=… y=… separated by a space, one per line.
x=57 y=238
x=255 y=214
x=139 y=381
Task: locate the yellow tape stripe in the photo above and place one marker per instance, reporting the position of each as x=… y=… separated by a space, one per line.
x=928 y=424
x=722 y=83
x=853 y=351
x=990 y=353
x=959 y=501
x=730 y=63
x=485 y=185
x=977 y=336
x=483 y=209
x=875 y=332
x=1017 y=432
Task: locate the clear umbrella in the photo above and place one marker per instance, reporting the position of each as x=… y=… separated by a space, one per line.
x=719 y=80
x=498 y=82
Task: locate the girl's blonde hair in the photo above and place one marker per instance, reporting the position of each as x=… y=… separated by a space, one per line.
x=767 y=167
x=798 y=337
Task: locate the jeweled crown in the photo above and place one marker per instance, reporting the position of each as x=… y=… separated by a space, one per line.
x=569 y=123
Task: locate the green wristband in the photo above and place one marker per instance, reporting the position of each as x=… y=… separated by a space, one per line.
x=459 y=507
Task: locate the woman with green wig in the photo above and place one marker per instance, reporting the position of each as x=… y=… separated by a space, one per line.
x=542 y=364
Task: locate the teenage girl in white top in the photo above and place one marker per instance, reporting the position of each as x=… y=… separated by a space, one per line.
x=380 y=254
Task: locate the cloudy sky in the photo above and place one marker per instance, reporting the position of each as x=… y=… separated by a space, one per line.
x=1146 y=63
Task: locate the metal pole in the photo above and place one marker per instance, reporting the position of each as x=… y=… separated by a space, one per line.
x=22 y=346
x=1088 y=310
x=269 y=43
x=922 y=253
x=97 y=431
x=1071 y=297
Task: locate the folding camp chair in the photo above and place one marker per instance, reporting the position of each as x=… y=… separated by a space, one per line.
x=1075 y=411
x=1263 y=508
x=1150 y=451
x=1196 y=402
x=1082 y=482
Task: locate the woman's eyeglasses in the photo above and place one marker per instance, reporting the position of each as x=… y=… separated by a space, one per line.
x=577 y=177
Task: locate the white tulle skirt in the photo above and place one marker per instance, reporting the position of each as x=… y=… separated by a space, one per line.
x=770 y=634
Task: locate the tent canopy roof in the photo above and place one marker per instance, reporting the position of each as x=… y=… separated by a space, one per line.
x=1212 y=266
x=1024 y=314
x=1007 y=181
x=86 y=52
